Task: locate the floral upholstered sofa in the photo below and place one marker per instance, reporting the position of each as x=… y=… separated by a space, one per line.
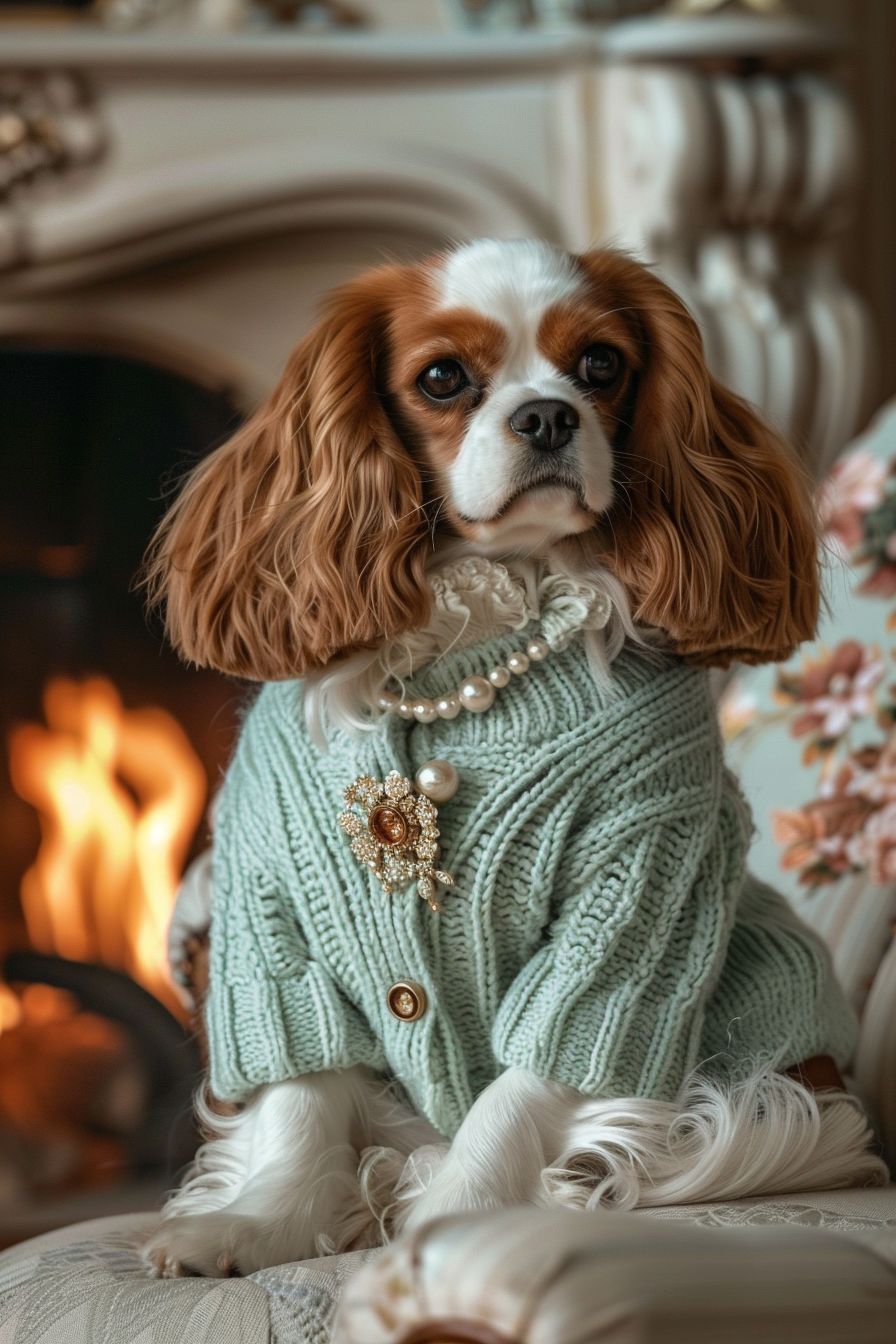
x=814 y=742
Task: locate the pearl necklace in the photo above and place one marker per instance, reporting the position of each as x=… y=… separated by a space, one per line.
x=393 y=824
x=438 y=779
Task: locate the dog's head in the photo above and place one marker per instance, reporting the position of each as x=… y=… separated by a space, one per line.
x=523 y=399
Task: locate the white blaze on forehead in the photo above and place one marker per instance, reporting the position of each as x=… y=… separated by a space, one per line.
x=513 y=282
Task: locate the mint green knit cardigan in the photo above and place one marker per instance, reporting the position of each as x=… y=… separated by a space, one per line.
x=602 y=932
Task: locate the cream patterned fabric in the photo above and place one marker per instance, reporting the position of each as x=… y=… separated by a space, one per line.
x=86 y=1284
x=536 y=1276
x=866 y=1215
x=875 y=1064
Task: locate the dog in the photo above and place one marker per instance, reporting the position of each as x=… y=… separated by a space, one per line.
x=483 y=543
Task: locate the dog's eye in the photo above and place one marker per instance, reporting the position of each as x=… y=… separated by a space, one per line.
x=443 y=379
x=600 y=366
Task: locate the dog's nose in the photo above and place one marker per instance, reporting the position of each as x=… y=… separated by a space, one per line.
x=547 y=425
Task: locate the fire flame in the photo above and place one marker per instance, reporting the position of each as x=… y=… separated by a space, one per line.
x=119 y=793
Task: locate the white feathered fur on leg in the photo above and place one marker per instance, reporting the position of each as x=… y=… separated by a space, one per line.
x=278 y=1181
x=767 y=1134
x=334 y=1160
x=526 y=1140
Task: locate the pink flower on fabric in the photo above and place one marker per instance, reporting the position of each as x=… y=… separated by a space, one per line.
x=874 y=847
x=835 y=691
x=871 y=773
x=815 y=839
x=855 y=485
x=850 y=826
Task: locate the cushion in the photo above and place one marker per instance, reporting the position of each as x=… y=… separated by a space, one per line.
x=785 y=1273
x=86 y=1283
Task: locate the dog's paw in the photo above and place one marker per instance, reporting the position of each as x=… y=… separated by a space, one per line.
x=193 y=1244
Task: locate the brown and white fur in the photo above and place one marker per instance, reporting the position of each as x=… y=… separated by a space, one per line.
x=301 y=547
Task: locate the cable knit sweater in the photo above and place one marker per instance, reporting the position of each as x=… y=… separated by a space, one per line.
x=602 y=932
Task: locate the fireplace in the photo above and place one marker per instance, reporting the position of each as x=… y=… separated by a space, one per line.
x=111 y=749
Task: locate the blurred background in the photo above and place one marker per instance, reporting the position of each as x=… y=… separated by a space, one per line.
x=180 y=180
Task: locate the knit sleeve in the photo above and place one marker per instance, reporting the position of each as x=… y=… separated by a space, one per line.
x=613 y=1001
x=273 y=1010
x=777 y=1000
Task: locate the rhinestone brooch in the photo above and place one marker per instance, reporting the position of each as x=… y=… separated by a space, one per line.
x=394 y=832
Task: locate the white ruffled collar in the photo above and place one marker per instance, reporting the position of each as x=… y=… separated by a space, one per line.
x=475 y=599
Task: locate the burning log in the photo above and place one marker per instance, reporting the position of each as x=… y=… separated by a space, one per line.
x=134 y=1085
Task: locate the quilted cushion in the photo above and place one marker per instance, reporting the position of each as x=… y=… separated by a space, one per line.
x=86 y=1283
x=831 y=1252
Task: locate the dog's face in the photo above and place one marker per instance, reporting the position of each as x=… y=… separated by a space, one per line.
x=509 y=375
x=516 y=396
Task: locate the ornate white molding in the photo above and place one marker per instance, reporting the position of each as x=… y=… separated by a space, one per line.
x=159 y=212
x=48 y=128
x=719 y=147
x=361 y=56
x=217 y=138
x=731 y=163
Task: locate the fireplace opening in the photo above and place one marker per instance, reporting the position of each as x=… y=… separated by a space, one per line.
x=110 y=750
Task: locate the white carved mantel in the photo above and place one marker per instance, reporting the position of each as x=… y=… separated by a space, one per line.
x=188 y=195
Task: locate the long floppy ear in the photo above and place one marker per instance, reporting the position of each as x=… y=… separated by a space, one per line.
x=304 y=536
x=713 y=531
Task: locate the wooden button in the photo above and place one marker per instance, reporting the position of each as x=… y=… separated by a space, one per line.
x=407 y=1001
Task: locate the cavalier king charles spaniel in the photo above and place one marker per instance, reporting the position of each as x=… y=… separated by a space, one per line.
x=541 y=412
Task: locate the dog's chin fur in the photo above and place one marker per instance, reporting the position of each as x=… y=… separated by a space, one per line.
x=531 y=522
